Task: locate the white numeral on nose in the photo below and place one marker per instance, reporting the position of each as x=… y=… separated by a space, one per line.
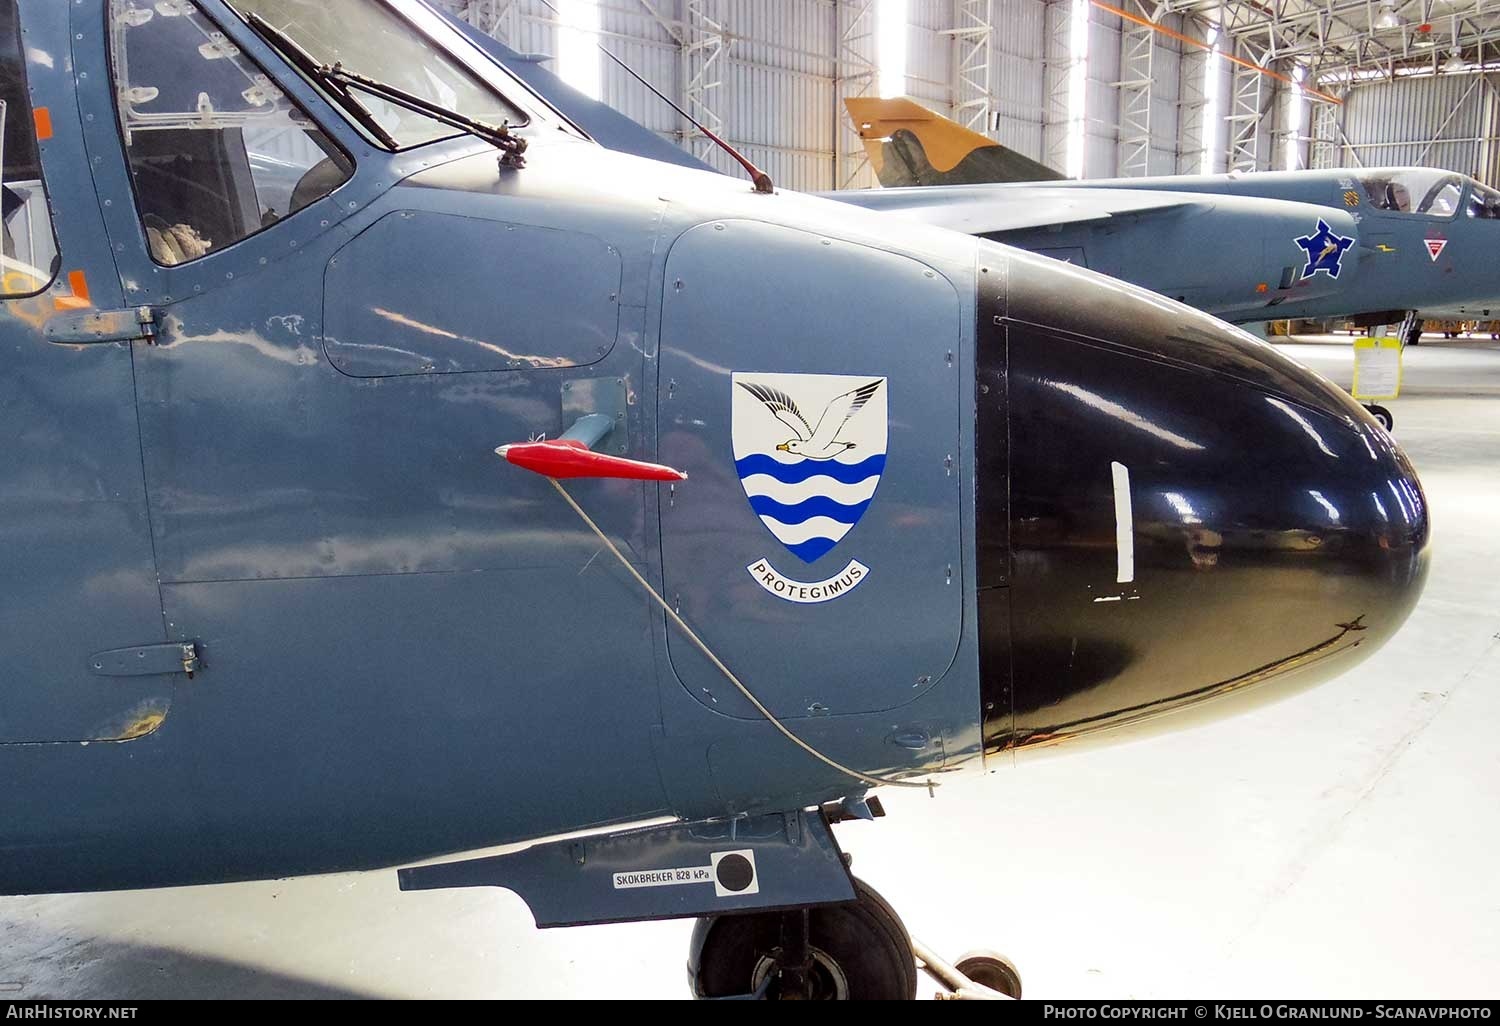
x=1124 y=525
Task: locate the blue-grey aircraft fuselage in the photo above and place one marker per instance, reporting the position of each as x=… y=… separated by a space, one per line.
x=1411 y=238
x=275 y=606
x=1422 y=234
x=1367 y=244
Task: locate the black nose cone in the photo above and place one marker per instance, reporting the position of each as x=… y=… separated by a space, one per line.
x=1192 y=517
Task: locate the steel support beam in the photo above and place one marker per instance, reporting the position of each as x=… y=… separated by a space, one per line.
x=1137 y=47
x=1057 y=70
x=1192 y=109
x=1246 y=108
x=705 y=52
x=855 y=74
x=1323 y=149
x=500 y=19
x=973 y=35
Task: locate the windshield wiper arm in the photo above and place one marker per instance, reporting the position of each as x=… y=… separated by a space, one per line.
x=304 y=62
x=511 y=146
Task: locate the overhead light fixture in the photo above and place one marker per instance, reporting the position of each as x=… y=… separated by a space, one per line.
x=1455 y=61
x=1388 y=18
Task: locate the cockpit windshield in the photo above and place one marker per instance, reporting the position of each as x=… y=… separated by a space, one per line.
x=1484 y=202
x=1414 y=191
x=372 y=40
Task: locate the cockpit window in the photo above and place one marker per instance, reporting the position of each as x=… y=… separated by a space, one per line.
x=217 y=151
x=372 y=40
x=28 y=249
x=1484 y=202
x=1414 y=191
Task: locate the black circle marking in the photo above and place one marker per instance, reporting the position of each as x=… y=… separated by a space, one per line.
x=735 y=873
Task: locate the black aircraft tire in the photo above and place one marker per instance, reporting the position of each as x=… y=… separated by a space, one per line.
x=861 y=952
x=1382 y=416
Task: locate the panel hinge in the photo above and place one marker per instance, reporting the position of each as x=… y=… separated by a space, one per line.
x=87 y=327
x=147 y=660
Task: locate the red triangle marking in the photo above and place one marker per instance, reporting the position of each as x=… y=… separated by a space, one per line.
x=1435 y=248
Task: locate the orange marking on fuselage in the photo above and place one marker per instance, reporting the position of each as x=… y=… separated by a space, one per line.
x=79 y=284
x=43 y=119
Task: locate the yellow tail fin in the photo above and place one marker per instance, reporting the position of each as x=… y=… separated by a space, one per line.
x=911 y=145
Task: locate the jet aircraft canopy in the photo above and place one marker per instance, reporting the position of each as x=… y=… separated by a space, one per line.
x=1484 y=202
x=1414 y=191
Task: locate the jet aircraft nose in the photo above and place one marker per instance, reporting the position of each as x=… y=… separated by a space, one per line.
x=1192 y=516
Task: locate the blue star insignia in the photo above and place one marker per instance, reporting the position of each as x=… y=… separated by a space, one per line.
x=1325 y=250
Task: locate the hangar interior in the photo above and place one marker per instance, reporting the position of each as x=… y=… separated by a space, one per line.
x=1335 y=845
x=1091 y=88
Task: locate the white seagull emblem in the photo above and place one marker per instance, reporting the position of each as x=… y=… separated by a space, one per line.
x=822 y=442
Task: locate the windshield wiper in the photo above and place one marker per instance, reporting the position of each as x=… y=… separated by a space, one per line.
x=511 y=146
x=338 y=79
x=304 y=62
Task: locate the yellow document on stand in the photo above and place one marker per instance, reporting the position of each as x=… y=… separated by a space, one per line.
x=1377 y=368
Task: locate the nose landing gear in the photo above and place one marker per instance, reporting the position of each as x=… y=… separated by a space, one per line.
x=979 y=975
x=858 y=951
x=854 y=952
x=1381 y=415
x=1411 y=329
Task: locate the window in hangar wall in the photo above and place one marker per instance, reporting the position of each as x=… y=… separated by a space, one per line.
x=891 y=32
x=579 y=60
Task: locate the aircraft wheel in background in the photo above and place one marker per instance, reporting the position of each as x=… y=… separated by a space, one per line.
x=859 y=951
x=1383 y=415
x=992 y=970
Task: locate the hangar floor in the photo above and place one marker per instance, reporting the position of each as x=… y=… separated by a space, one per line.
x=1337 y=845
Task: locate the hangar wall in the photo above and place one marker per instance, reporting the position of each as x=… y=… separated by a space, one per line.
x=1018 y=85
x=1201 y=144
x=771 y=75
x=1165 y=96
x=774 y=77
x=1447 y=121
x=1101 y=108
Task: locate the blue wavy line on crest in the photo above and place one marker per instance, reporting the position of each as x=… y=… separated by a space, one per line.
x=813 y=549
x=802 y=512
x=796 y=473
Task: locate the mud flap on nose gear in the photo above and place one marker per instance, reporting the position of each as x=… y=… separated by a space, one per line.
x=677 y=871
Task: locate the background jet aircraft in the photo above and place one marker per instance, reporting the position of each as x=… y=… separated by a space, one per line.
x=282 y=596
x=1420 y=236
x=1238 y=258
x=1231 y=249
x=911 y=145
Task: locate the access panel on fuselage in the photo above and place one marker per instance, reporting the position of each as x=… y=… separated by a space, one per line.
x=810 y=389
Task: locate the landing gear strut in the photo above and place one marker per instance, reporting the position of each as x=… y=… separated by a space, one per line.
x=858 y=951
x=778 y=914
x=1411 y=330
